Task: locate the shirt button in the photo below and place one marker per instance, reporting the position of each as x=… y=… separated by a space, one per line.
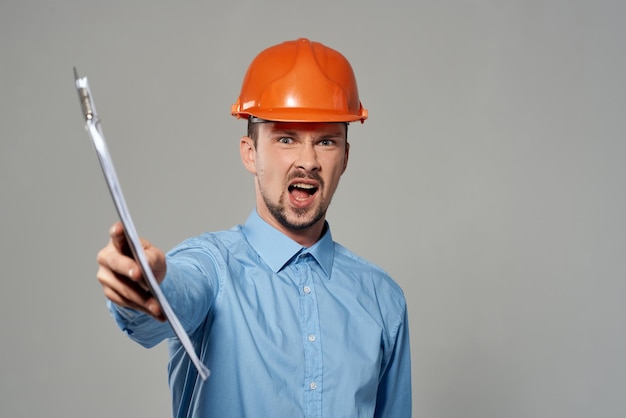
x=306 y=289
x=313 y=385
x=311 y=337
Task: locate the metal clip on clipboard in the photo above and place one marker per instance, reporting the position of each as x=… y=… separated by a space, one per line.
x=93 y=127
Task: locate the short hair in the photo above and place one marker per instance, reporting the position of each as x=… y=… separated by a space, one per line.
x=253 y=131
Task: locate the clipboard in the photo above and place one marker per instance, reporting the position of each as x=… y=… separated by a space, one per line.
x=94 y=128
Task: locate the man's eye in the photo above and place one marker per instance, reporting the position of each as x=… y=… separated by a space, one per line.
x=285 y=140
x=327 y=142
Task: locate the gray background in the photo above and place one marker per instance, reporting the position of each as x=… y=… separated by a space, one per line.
x=489 y=182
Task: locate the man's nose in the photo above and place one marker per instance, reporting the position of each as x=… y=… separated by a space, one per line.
x=307 y=157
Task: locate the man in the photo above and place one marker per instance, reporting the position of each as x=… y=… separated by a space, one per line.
x=290 y=323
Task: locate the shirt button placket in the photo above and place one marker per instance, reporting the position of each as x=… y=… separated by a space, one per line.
x=310 y=332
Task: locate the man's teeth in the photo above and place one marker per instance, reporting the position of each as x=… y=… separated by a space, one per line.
x=303 y=186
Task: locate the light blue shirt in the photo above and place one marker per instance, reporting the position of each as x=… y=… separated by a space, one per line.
x=287 y=331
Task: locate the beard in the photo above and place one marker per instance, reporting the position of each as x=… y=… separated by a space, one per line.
x=306 y=217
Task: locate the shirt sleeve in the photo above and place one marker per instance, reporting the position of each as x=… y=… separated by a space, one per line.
x=190 y=286
x=394 y=390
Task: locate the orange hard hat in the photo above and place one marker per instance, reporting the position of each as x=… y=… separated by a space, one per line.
x=300 y=81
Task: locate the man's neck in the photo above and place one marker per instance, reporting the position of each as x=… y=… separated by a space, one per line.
x=306 y=237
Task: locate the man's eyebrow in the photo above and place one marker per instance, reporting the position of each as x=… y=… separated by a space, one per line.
x=332 y=134
x=294 y=133
x=283 y=132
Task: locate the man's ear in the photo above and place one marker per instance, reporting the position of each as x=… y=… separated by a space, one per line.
x=248 y=154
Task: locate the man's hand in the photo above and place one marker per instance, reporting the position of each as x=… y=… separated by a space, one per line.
x=120 y=275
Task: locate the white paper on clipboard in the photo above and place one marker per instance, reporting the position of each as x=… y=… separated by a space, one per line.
x=93 y=127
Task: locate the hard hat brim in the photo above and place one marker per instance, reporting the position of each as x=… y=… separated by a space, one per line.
x=301 y=115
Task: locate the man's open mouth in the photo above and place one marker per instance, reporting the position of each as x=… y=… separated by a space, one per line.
x=301 y=191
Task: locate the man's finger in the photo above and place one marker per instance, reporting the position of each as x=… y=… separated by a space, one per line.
x=110 y=258
x=119 y=239
x=125 y=292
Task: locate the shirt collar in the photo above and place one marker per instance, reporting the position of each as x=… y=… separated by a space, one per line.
x=276 y=249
